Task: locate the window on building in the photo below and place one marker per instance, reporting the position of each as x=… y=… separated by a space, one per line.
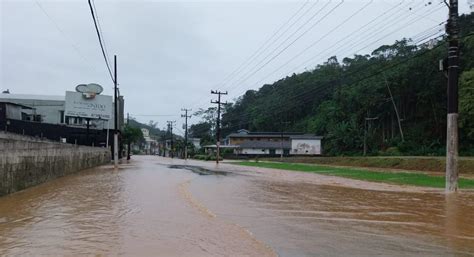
x=78 y=120
x=61 y=117
x=25 y=116
x=37 y=118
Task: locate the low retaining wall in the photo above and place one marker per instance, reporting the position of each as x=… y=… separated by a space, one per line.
x=26 y=162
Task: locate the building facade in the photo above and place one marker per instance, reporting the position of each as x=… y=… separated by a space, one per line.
x=50 y=109
x=274 y=143
x=150 y=146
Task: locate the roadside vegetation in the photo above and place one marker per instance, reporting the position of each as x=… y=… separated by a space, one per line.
x=401 y=178
x=416 y=163
x=355 y=99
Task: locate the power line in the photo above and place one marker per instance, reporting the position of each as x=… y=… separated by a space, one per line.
x=332 y=45
x=300 y=53
x=330 y=32
x=100 y=28
x=286 y=30
x=311 y=92
x=259 y=50
x=397 y=18
x=155 y=115
x=401 y=27
x=100 y=41
x=368 y=37
x=71 y=42
x=245 y=77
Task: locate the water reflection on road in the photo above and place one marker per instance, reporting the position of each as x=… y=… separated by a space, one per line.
x=148 y=208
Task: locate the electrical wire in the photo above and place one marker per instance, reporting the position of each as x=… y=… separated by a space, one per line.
x=244 y=78
x=71 y=42
x=371 y=22
x=304 y=63
x=100 y=41
x=310 y=93
x=269 y=42
x=327 y=34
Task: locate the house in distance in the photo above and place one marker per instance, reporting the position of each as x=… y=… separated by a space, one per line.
x=245 y=142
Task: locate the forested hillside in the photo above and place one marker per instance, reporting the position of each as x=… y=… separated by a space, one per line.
x=151 y=126
x=342 y=99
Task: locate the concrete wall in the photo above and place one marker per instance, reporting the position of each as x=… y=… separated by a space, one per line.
x=26 y=162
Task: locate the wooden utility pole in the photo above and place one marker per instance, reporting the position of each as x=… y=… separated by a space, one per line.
x=116 y=144
x=281 y=137
x=452 y=29
x=367 y=119
x=128 y=141
x=185 y=116
x=218 y=120
x=170 y=126
x=395 y=108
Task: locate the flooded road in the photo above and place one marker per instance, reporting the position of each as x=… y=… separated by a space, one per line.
x=162 y=207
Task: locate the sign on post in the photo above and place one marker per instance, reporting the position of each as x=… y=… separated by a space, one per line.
x=83 y=104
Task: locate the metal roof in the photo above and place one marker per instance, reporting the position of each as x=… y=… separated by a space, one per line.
x=306 y=136
x=221 y=146
x=21 y=105
x=292 y=135
x=32 y=97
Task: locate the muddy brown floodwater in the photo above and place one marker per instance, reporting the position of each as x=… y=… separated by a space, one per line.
x=161 y=207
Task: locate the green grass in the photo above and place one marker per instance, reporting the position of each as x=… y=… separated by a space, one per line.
x=402 y=178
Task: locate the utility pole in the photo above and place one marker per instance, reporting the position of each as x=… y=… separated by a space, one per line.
x=116 y=146
x=395 y=108
x=367 y=119
x=170 y=126
x=218 y=121
x=128 y=143
x=185 y=116
x=165 y=136
x=452 y=29
x=281 y=137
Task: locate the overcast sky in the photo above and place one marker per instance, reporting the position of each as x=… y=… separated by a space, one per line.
x=172 y=53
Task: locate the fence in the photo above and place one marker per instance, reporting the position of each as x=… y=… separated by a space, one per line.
x=57 y=132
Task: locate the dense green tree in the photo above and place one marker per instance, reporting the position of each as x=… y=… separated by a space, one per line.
x=466 y=108
x=131 y=135
x=335 y=98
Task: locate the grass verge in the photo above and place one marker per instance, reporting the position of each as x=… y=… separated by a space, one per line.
x=402 y=178
x=416 y=163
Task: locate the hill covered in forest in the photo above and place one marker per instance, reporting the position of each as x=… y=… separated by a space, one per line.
x=355 y=98
x=151 y=126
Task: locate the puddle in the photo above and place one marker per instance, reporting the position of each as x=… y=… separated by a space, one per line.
x=199 y=170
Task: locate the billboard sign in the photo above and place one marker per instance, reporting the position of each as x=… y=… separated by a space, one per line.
x=79 y=104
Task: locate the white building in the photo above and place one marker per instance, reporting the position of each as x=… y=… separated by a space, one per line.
x=273 y=143
x=151 y=145
x=50 y=109
x=196 y=142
